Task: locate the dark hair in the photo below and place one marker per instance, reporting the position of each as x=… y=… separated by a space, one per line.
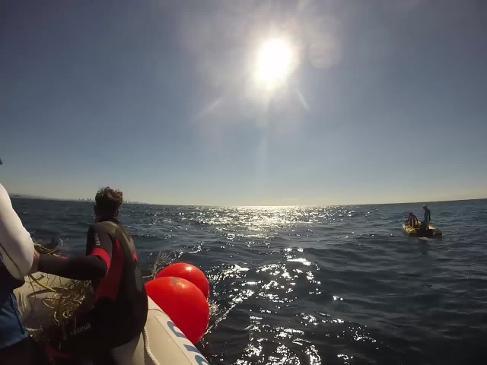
x=108 y=201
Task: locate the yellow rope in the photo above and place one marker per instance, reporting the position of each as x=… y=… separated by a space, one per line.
x=41 y=285
x=62 y=304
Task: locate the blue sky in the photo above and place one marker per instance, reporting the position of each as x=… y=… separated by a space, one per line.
x=387 y=101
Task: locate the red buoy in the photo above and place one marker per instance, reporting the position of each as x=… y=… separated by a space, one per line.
x=188 y=272
x=183 y=302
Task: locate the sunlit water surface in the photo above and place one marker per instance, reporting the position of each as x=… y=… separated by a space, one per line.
x=333 y=285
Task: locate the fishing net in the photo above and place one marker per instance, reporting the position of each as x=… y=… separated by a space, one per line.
x=49 y=302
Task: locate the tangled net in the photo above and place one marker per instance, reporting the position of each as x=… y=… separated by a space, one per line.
x=60 y=298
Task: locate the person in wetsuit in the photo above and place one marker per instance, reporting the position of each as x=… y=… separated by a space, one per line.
x=412 y=220
x=426 y=219
x=120 y=309
x=16 y=260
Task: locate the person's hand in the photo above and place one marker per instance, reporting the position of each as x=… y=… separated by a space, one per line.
x=35 y=262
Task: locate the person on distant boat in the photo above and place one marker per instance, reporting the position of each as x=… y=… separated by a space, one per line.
x=412 y=220
x=111 y=262
x=17 y=258
x=426 y=219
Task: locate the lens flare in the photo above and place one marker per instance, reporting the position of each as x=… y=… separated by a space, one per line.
x=275 y=61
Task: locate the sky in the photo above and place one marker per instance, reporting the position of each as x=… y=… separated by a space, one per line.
x=381 y=100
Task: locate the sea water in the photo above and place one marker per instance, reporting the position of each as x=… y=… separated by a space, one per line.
x=313 y=285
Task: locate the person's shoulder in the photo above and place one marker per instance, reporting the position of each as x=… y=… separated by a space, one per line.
x=5 y=201
x=3 y=193
x=106 y=227
x=124 y=231
x=98 y=226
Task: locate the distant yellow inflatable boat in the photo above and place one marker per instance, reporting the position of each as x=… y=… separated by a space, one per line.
x=416 y=231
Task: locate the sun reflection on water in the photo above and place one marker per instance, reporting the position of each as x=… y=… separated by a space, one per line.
x=268 y=274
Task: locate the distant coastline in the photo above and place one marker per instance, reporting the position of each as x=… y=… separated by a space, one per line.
x=35 y=197
x=76 y=200
x=91 y=200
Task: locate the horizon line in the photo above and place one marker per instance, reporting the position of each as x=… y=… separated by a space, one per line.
x=90 y=200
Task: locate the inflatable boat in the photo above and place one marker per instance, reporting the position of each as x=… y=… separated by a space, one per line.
x=160 y=343
x=416 y=231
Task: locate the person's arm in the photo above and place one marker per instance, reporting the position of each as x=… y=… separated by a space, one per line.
x=16 y=245
x=79 y=268
x=93 y=266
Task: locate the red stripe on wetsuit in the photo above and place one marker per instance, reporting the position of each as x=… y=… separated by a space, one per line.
x=103 y=254
x=109 y=286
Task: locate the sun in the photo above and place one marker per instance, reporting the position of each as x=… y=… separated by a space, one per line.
x=275 y=61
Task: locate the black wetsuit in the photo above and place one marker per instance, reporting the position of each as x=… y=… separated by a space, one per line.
x=427 y=217
x=426 y=220
x=120 y=308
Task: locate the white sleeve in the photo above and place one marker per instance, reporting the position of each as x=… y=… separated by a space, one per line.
x=16 y=245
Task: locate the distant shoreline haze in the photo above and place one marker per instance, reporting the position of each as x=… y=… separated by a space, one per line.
x=91 y=200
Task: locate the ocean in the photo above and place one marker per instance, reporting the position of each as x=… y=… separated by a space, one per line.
x=313 y=285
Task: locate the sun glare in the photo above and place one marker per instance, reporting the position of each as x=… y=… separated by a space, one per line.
x=275 y=61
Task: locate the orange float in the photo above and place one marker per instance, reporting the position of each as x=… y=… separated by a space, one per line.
x=188 y=272
x=183 y=302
